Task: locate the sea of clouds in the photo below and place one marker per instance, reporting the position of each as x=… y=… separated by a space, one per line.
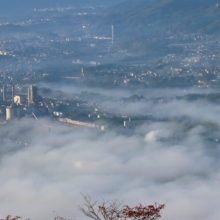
x=166 y=162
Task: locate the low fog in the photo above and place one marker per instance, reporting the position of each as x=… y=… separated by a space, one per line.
x=70 y=90
x=168 y=106
x=169 y=162
x=172 y=159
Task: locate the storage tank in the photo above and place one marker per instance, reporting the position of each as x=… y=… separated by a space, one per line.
x=10 y=113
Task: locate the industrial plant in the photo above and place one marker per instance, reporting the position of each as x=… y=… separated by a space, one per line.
x=17 y=105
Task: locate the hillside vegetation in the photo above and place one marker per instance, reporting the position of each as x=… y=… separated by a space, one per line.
x=181 y=15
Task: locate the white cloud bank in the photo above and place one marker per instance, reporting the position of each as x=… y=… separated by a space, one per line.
x=57 y=166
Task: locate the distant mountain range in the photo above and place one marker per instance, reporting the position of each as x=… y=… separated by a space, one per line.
x=24 y=4
x=13 y=10
x=202 y=16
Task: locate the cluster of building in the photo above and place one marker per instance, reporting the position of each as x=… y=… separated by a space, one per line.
x=23 y=104
x=17 y=105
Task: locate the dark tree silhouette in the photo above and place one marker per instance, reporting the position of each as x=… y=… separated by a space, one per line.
x=115 y=210
x=112 y=210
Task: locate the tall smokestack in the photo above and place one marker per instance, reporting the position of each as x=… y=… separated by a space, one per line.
x=29 y=97
x=12 y=92
x=4 y=93
x=112 y=34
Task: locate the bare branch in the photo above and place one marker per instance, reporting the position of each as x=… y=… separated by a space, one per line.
x=115 y=210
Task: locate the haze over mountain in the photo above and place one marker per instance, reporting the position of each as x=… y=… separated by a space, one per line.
x=15 y=9
x=179 y=15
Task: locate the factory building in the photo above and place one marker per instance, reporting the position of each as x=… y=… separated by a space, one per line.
x=13 y=112
x=133 y=124
x=58 y=114
x=5 y=92
x=80 y=123
x=20 y=99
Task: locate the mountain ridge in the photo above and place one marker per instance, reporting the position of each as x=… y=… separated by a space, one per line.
x=180 y=15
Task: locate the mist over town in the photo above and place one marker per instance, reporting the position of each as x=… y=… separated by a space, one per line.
x=111 y=99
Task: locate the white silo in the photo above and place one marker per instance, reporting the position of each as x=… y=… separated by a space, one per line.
x=10 y=113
